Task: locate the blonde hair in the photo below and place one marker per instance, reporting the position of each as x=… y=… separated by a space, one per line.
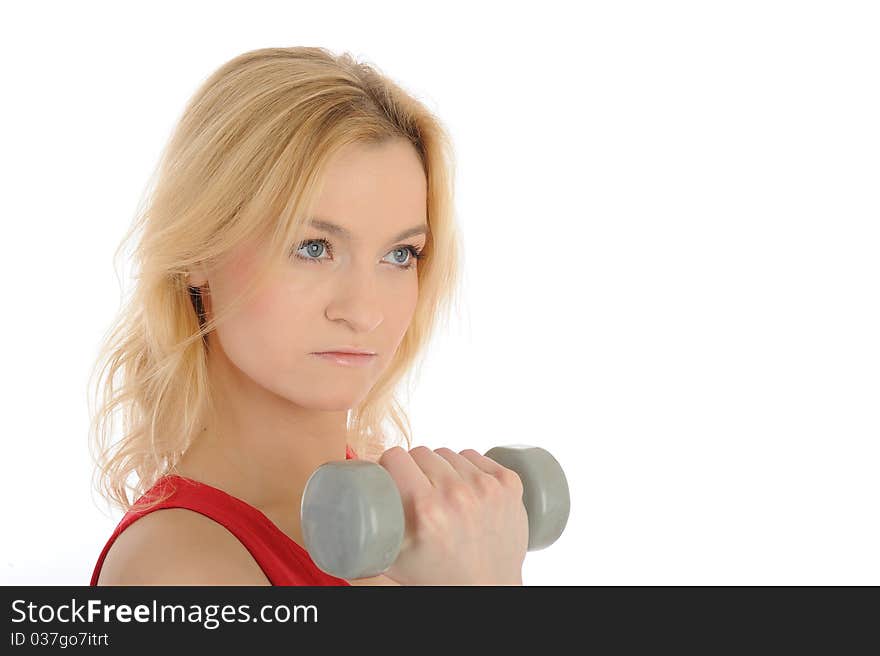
x=245 y=161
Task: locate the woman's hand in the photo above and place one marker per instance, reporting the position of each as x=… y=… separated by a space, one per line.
x=465 y=520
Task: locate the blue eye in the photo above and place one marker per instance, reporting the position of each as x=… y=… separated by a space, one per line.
x=407 y=251
x=315 y=247
x=314 y=252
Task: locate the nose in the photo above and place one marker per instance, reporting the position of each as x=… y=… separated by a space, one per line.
x=356 y=301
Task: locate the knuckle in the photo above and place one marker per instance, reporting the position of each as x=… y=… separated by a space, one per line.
x=393 y=449
x=510 y=479
x=430 y=513
x=393 y=452
x=487 y=485
x=459 y=494
x=384 y=455
x=423 y=504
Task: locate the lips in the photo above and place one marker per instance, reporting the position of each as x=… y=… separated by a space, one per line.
x=346 y=359
x=348 y=350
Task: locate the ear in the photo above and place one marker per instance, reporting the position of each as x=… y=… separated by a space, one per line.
x=197 y=277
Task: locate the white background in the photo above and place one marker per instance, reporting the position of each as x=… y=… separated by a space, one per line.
x=670 y=216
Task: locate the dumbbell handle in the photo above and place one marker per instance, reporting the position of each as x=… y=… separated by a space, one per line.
x=353 y=521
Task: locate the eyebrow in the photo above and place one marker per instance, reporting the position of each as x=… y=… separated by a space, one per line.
x=327 y=226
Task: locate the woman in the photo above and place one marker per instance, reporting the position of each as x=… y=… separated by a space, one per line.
x=303 y=207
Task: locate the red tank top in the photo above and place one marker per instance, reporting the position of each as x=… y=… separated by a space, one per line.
x=283 y=560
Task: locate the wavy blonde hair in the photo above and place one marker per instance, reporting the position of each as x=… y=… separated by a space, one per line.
x=245 y=161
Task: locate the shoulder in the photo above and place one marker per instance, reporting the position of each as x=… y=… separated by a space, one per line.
x=176 y=546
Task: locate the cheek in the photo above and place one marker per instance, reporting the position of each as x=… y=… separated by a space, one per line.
x=278 y=302
x=280 y=316
x=268 y=336
x=400 y=309
x=271 y=336
x=408 y=300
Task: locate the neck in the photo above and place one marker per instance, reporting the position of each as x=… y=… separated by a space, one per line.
x=260 y=447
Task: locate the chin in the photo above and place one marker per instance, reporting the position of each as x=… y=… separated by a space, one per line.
x=332 y=401
x=334 y=406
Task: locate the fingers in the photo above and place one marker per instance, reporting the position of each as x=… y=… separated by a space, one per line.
x=480 y=471
x=465 y=468
x=409 y=477
x=506 y=476
x=421 y=469
x=482 y=462
x=438 y=470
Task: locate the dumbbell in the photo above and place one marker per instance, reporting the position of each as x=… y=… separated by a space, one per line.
x=352 y=516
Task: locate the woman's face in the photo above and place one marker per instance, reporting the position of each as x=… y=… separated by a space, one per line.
x=357 y=289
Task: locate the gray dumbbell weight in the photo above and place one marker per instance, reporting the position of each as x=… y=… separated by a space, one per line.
x=353 y=522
